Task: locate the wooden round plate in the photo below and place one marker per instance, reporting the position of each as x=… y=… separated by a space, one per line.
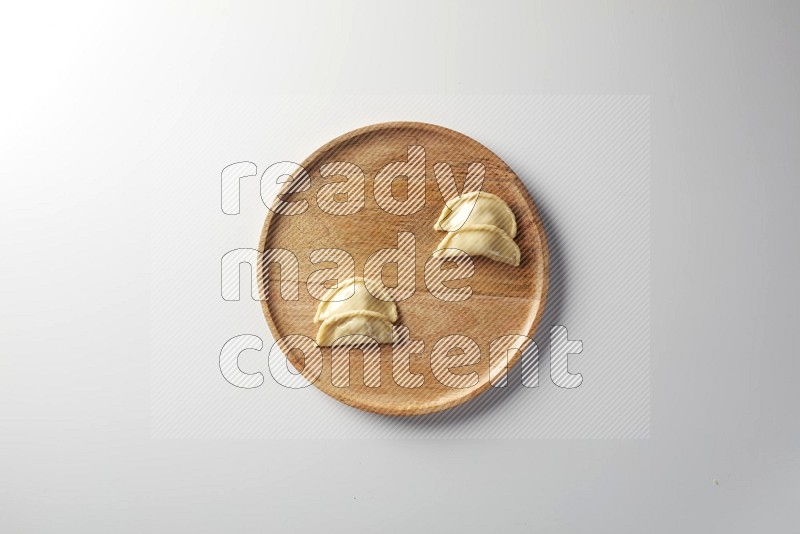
x=505 y=299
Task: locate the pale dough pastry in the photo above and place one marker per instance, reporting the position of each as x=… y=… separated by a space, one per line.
x=336 y=300
x=357 y=306
x=479 y=224
x=477 y=208
x=481 y=240
x=366 y=323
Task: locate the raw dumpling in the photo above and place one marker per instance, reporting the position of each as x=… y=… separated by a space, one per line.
x=336 y=300
x=477 y=208
x=481 y=240
x=479 y=224
x=357 y=306
x=365 y=323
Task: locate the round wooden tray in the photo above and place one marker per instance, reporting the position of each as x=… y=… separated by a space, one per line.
x=505 y=299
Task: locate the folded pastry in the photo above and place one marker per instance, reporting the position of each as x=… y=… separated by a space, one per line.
x=477 y=208
x=480 y=240
x=365 y=323
x=353 y=309
x=479 y=224
x=352 y=295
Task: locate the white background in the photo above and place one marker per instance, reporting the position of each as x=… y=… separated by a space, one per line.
x=585 y=160
x=95 y=97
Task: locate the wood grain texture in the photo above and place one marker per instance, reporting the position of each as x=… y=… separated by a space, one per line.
x=505 y=299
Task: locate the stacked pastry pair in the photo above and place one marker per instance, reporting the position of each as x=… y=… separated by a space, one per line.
x=352 y=309
x=480 y=224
